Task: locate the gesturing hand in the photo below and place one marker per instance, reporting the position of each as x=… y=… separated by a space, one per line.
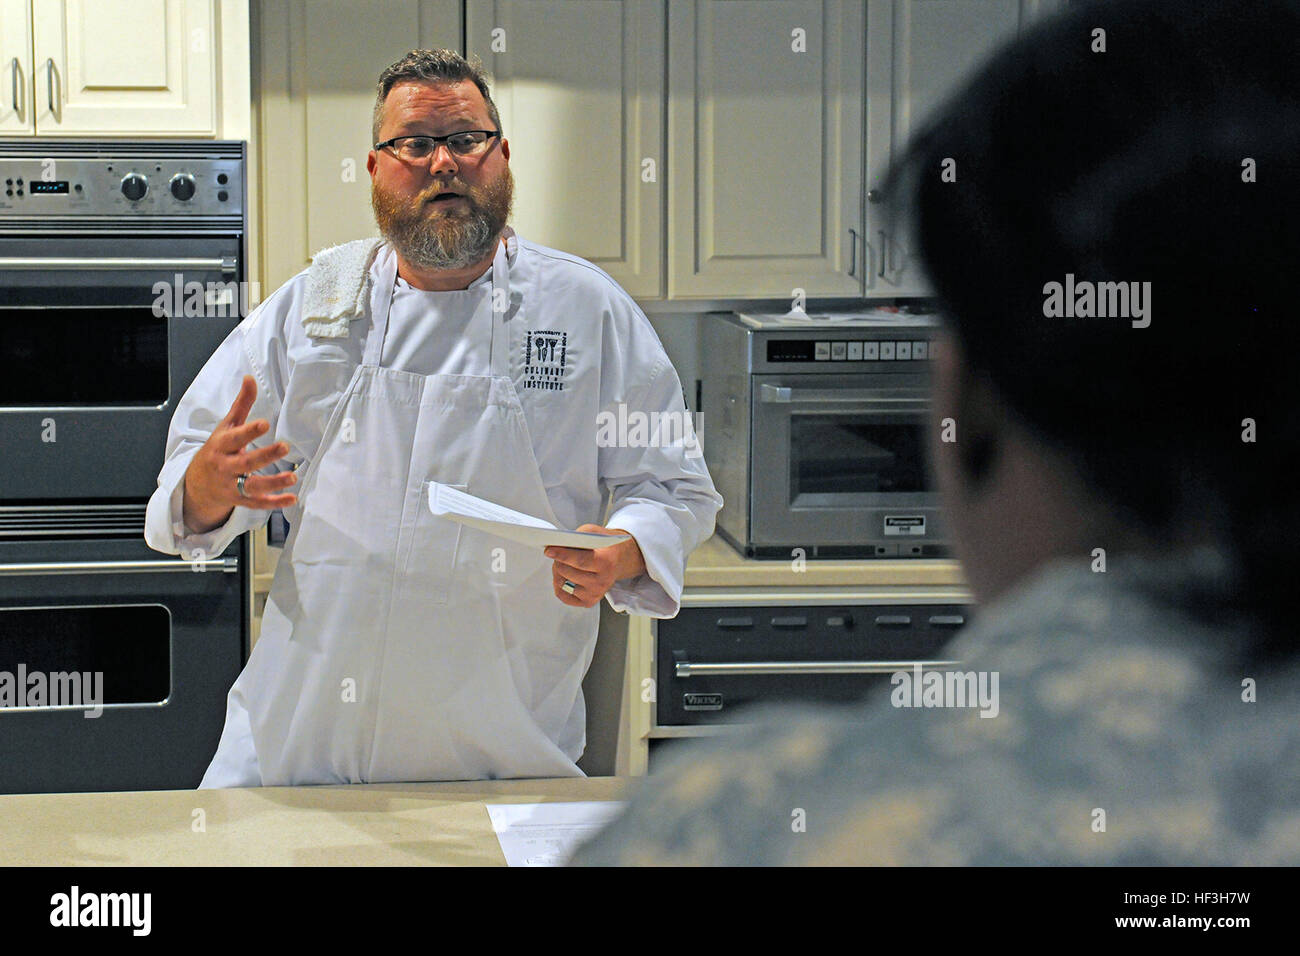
x=211 y=481
x=594 y=571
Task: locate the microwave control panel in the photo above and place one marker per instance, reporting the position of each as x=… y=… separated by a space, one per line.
x=810 y=350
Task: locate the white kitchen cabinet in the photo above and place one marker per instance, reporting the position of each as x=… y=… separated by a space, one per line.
x=124 y=68
x=918 y=53
x=765 y=148
x=705 y=150
x=16 y=87
x=119 y=67
x=579 y=86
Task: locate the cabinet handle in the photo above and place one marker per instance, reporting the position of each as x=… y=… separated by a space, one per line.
x=881 y=273
x=49 y=84
x=853 y=250
x=15 y=78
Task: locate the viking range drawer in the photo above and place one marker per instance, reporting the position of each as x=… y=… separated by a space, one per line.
x=713 y=661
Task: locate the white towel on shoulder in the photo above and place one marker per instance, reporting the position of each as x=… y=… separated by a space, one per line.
x=338 y=287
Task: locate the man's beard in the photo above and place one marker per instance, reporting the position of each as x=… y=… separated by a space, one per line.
x=447 y=238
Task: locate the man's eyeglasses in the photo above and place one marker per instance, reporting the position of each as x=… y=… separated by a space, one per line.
x=411 y=149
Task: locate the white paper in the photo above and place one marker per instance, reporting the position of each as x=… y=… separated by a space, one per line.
x=456 y=505
x=547 y=834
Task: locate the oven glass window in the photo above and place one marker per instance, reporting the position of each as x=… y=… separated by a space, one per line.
x=844 y=455
x=83 y=356
x=129 y=645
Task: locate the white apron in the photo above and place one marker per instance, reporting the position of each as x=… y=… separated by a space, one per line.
x=396 y=645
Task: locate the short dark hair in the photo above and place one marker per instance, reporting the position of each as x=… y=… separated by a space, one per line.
x=1173 y=157
x=431 y=66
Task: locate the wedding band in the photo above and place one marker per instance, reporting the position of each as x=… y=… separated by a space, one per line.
x=240 y=485
x=568 y=587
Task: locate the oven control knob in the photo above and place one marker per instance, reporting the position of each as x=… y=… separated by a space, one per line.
x=182 y=186
x=134 y=186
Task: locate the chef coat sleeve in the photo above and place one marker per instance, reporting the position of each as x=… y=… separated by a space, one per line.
x=660 y=489
x=255 y=347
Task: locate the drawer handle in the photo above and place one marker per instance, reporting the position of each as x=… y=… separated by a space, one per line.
x=735 y=622
x=893 y=620
x=947 y=620
x=754 y=668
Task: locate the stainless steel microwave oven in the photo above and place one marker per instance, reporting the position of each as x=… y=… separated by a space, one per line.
x=814 y=431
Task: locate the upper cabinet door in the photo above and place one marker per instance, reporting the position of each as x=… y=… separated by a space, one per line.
x=124 y=67
x=16 y=68
x=918 y=52
x=765 y=127
x=579 y=86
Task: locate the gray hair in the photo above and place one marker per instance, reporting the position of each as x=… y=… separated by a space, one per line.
x=431 y=66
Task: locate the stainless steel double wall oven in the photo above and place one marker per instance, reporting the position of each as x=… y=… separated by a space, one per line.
x=121 y=266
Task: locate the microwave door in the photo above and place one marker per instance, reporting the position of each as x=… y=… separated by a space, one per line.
x=842 y=455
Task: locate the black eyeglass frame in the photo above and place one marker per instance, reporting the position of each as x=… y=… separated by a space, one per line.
x=438 y=140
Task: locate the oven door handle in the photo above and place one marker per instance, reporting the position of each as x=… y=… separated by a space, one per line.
x=878 y=402
x=756 y=668
x=227 y=565
x=225 y=264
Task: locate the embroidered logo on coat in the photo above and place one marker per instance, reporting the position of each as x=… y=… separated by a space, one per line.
x=545 y=353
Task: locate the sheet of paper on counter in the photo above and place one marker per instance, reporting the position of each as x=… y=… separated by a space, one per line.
x=547 y=834
x=448 y=502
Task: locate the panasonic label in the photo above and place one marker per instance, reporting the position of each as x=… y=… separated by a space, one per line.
x=905 y=525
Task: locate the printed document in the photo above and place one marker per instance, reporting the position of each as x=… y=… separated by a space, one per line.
x=547 y=834
x=452 y=503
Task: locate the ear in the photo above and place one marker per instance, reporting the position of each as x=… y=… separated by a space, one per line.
x=372 y=159
x=505 y=148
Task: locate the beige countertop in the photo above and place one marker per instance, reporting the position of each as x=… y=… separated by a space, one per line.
x=716 y=564
x=378 y=824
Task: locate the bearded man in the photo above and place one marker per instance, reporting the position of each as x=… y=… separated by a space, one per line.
x=397 y=645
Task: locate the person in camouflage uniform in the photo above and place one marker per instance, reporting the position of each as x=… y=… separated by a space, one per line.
x=1118 y=489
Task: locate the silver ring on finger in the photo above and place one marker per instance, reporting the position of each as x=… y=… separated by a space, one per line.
x=568 y=587
x=239 y=483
